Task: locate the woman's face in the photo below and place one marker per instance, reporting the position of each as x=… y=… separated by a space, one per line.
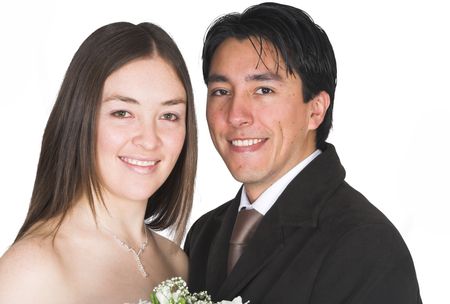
x=140 y=128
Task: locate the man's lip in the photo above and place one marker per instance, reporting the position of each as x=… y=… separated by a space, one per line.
x=246 y=142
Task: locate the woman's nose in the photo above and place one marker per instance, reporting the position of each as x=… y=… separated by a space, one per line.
x=147 y=136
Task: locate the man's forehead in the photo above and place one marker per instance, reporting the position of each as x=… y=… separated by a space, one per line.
x=268 y=59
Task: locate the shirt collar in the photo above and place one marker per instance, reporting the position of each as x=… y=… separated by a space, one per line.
x=266 y=200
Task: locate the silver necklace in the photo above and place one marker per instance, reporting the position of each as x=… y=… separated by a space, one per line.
x=136 y=254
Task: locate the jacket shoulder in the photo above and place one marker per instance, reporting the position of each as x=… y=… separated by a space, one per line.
x=205 y=222
x=210 y=215
x=349 y=208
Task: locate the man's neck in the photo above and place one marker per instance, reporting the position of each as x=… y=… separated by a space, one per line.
x=270 y=194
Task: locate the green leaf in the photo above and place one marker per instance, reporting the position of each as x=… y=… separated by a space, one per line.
x=153 y=298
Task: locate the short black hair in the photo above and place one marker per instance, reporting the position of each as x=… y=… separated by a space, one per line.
x=303 y=46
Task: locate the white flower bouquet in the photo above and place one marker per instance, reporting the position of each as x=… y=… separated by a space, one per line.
x=175 y=291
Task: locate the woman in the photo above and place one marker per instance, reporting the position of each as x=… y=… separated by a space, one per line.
x=119 y=147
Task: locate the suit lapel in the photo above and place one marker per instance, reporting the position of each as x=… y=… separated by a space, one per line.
x=218 y=255
x=297 y=207
x=265 y=244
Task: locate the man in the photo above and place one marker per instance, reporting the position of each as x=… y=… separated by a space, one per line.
x=271 y=77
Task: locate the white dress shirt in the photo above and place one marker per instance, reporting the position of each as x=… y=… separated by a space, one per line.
x=266 y=200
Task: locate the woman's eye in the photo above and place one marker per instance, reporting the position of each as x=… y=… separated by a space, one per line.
x=169 y=116
x=264 y=91
x=219 y=92
x=121 y=114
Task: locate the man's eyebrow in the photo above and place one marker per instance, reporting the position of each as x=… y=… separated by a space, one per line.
x=263 y=77
x=252 y=77
x=216 y=78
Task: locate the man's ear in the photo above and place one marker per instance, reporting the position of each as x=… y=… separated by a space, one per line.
x=318 y=108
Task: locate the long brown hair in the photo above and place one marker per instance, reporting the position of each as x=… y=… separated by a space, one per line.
x=67 y=163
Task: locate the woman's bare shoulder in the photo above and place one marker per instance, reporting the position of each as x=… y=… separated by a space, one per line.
x=175 y=255
x=27 y=269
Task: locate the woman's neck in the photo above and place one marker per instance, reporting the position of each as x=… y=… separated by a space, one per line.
x=121 y=218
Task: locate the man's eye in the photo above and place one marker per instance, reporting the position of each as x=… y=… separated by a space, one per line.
x=264 y=91
x=169 y=116
x=121 y=114
x=219 y=92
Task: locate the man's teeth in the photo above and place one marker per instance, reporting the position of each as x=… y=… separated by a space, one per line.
x=246 y=142
x=141 y=163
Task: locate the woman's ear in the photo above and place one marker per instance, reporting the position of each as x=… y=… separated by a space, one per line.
x=318 y=108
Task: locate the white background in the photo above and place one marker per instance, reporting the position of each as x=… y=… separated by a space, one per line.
x=391 y=109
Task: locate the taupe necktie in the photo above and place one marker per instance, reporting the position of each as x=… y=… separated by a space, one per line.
x=245 y=226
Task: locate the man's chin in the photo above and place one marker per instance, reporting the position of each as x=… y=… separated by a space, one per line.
x=247 y=175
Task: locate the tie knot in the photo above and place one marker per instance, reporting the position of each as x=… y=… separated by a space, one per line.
x=245 y=226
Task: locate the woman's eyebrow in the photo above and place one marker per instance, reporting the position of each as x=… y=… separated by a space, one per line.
x=121 y=98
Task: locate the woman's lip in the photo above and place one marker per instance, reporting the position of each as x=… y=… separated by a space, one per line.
x=138 y=162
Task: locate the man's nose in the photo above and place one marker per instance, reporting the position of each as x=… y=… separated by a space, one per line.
x=240 y=111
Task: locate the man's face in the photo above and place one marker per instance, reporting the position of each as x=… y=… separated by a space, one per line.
x=257 y=118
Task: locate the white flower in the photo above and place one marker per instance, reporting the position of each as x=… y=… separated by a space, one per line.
x=175 y=291
x=237 y=300
x=163 y=295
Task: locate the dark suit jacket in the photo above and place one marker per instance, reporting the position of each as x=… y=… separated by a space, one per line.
x=321 y=242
